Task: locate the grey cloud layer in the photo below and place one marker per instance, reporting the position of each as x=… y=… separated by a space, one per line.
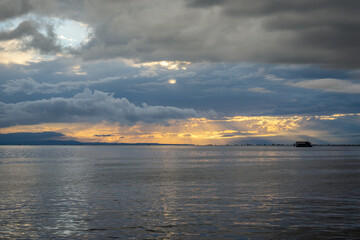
x=87 y=107
x=272 y=31
x=11 y=8
x=228 y=89
x=30 y=86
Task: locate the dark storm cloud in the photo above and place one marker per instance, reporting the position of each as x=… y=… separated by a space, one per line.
x=11 y=8
x=88 y=106
x=273 y=31
x=32 y=38
x=328 y=28
x=205 y=3
x=324 y=32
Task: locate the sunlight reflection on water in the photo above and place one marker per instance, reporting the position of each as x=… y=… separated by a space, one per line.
x=179 y=192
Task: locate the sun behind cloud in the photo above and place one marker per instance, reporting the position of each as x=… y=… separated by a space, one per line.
x=172 y=81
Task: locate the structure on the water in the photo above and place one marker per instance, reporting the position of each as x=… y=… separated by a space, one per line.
x=303 y=144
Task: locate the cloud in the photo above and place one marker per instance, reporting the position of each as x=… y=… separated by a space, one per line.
x=11 y=53
x=269 y=31
x=87 y=106
x=259 y=90
x=222 y=87
x=30 y=86
x=336 y=128
x=10 y=8
x=273 y=77
x=330 y=85
x=32 y=38
x=272 y=31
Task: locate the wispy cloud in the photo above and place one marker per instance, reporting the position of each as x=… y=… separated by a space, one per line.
x=259 y=90
x=273 y=77
x=330 y=85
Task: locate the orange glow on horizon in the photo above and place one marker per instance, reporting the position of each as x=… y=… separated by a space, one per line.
x=189 y=131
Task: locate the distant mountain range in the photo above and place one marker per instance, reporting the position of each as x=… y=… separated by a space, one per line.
x=55 y=142
x=50 y=138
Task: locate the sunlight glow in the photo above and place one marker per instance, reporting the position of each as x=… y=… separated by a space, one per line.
x=169 y=65
x=72 y=33
x=191 y=131
x=11 y=53
x=164 y=63
x=172 y=81
x=77 y=70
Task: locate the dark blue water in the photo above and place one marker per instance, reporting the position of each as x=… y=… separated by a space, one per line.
x=179 y=192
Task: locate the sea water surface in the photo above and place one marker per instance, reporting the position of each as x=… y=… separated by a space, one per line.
x=179 y=192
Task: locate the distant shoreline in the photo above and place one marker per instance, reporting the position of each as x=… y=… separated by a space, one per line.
x=164 y=144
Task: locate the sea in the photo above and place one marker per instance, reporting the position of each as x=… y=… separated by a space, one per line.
x=179 y=192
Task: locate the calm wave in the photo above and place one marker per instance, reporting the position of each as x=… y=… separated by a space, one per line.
x=179 y=192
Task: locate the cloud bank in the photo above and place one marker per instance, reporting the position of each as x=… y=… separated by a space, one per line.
x=321 y=32
x=87 y=106
x=30 y=86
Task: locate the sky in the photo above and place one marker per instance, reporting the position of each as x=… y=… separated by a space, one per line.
x=182 y=71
